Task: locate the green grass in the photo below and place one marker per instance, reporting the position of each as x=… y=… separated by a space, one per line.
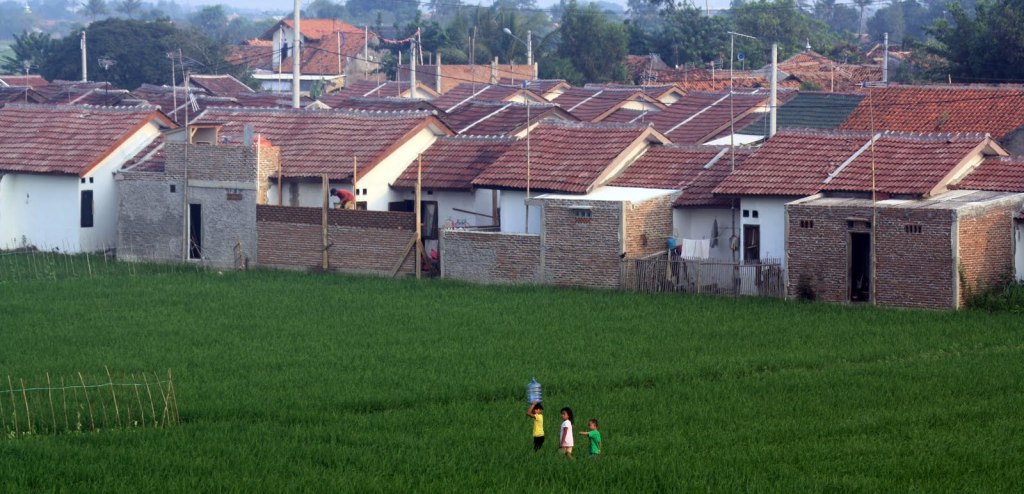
x=297 y=382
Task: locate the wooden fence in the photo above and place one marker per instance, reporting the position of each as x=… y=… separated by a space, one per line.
x=704 y=276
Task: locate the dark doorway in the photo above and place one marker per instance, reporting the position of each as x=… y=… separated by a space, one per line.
x=87 y=209
x=752 y=243
x=195 y=231
x=860 y=267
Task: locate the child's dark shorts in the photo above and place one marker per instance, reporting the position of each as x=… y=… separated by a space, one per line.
x=538 y=442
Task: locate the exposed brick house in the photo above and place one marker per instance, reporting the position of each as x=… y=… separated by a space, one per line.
x=919 y=243
x=315 y=143
x=565 y=158
x=1002 y=174
x=57 y=165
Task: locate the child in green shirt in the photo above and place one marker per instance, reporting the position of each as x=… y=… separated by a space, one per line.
x=595 y=438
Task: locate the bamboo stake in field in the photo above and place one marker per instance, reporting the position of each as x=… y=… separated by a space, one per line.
x=64 y=398
x=14 y=406
x=3 y=418
x=173 y=393
x=49 y=393
x=113 y=394
x=152 y=407
x=28 y=414
x=92 y=419
x=103 y=408
x=138 y=398
x=160 y=386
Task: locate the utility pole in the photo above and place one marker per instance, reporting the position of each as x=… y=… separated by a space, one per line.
x=774 y=100
x=85 y=69
x=529 y=49
x=412 y=70
x=296 y=57
x=885 y=60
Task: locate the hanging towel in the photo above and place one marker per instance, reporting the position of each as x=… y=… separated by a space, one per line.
x=704 y=248
x=696 y=248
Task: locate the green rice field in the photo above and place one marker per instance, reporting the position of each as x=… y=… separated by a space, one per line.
x=324 y=383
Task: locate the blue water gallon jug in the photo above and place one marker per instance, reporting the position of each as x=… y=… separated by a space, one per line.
x=533 y=391
x=671 y=243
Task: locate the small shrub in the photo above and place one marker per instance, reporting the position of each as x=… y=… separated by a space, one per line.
x=805 y=288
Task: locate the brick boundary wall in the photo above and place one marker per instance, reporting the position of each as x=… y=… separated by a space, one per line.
x=986 y=246
x=360 y=241
x=583 y=252
x=490 y=257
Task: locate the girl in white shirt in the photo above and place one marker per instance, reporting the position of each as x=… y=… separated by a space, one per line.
x=565 y=437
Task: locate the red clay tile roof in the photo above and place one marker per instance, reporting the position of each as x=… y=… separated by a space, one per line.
x=490 y=118
x=997 y=111
x=564 y=156
x=792 y=163
x=254 y=55
x=313 y=28
x=453 y=75
x=96 y=97
x=65 y=91
x=905 y=164
x=998 y=174
x=705 y=80
x=590 y=104
x=150 y=159
x=220 y=85
x=343 y=101
x=319 y=50
x=15 y=94
x=698 y=117
x=695 y=170
x=32 y=81
x=66 y=140
x=654 y=90
x=623 y=115
x=462 y=93
x=539 y=86
x=317 y=142
x=385 y=89
x=166 y=98
x=269 y=100
x=452 y=163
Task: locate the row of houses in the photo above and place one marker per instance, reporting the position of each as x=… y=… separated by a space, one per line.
x=906 y=195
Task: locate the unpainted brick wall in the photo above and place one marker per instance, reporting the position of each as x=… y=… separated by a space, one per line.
x=912 y=269
x=582 y=252
x=490 y=257
x=648 y=226
x=986 y=246
x=360 y=241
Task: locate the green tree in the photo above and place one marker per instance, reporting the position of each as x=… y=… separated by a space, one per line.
x=690 y=36
x=861 y=5
x=30 y=49
x=326 y=9
x=779 y=21
x=212 y=21
x=986 y=47
x=130 y=8
x=94 y=9
x=144 y=60
x=590 y=48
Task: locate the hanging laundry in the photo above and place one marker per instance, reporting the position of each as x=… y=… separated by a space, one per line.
x=714 y=233
x=696 y=248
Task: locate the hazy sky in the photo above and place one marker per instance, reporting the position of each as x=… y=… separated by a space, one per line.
x=287 y=5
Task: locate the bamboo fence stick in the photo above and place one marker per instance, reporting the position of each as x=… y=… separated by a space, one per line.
x=163 y=416
x=173 y=393
x=138 y=398
x=3 y=418
x=103 y=407
x=92 y=419
x=49 y=393
x=64 y=398
x=152 y=408
x=113 y=394
x=14 y=406
x=28 y=414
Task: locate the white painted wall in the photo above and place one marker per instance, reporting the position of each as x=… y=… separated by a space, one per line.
x=1019 y=254
x=40 y=211
x=697 y=223
x=513 y=213
x=771 y=215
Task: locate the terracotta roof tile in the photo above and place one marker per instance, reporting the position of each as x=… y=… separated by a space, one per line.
x=16 y=94
x=565 y=157
x=698 y=117
x=590 y=104
x=905 y=164
x=220 y=85
x=462 y=93
x=316 y=142
x=385 y=89
x=65 y=91
x=792 y=163
x=150 y=159
x=175 y=101
x=490 y=118
x=65 y=140
x=452 y=163
x=343 y=101
x=997 y=111
x=543 y=87
x=267 y=100
x=453 y=75
x=695 y=170
x=32 y=81
x=316 y=28
x=999 y=174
